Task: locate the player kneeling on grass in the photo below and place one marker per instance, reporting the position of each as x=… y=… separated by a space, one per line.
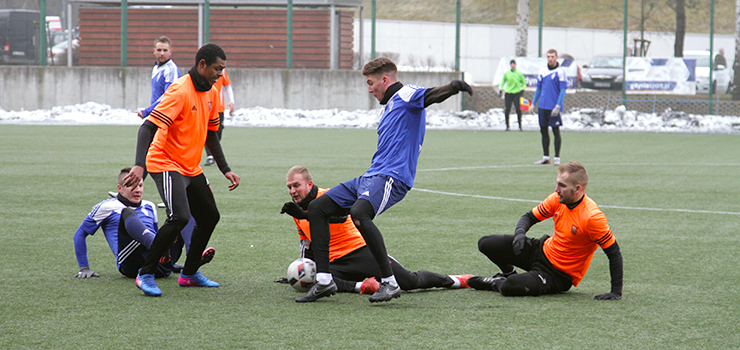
x=350 y=260
x=129 y=224
x=556 y=263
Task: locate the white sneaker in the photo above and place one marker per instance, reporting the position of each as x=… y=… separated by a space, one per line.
x=542 y=161
x=556 y=161
x=209 y=161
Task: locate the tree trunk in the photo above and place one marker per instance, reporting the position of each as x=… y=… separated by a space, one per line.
x=680 y=28
x=522 y=29
x=736 y=65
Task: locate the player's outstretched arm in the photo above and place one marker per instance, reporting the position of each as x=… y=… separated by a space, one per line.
x=616 y=271
x=441 y=93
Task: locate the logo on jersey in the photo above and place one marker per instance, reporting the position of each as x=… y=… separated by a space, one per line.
x=193 y=109
x=574 y=229
x=209 y=105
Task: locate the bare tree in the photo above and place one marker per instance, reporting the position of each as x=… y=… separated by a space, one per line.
x=736 y=65
x=680 y=28
x=522 y=29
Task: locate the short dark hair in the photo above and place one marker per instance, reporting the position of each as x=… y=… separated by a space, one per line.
x=380 y=65
x=163 y=39
x=512 y=61
x=210 y=53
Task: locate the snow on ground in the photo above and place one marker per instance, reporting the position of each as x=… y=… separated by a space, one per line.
x=618 y=120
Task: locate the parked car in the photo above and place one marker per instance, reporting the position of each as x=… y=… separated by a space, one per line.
x=58 y=53
x=604 y=72
x=18 y=37
x=721 y=75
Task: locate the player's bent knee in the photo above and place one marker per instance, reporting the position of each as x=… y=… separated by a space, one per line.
x=524 y=284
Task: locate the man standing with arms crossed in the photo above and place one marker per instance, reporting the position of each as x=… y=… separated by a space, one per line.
x=390 y=177
x=551 y=85
x=513 y=84
x=170 y=145
x=164 y=73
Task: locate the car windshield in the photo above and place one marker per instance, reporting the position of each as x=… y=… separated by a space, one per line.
x=606 y=62
x=701 y=61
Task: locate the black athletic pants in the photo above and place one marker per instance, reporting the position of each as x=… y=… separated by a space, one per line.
x=541 y=278
x=184 y=196
x=508 y=100
x=360 y=264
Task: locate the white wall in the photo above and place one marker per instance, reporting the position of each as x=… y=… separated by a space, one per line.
x=482 y=46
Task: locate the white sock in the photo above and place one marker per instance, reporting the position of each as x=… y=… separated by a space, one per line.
x=324 y=277
x=358 y=287
x=391 y=280
x=545 y=157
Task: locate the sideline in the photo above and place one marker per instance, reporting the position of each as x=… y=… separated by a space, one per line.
x=600 y=206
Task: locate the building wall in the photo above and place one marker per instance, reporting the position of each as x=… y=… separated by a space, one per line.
x=254 y=38
x=130 y=88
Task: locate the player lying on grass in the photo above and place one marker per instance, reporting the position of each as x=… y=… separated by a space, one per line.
x=350 y=259
x=129 y=224
x=556 y=263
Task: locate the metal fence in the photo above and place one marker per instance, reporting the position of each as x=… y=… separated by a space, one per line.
x=487 y=97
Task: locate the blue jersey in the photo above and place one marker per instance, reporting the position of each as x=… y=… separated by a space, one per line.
x=107 y=214
x=400 y=135
x=551 y=85
x=162 y=76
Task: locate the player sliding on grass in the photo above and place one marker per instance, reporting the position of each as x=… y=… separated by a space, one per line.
x=391 y=174
x=129 y=224
x=350 y=259
x=556 y=263
x=170 y=145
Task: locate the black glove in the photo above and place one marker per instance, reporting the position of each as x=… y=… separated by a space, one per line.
x=281 y=280
x=85 y=272
x=501 y=93
x=518 y=244
x=294 y=210
x=608 y=296
x=462 y=86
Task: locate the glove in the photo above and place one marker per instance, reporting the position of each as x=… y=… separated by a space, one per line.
x=501 y=93
x=281 y=280
x=462 y=86
x=294 y=210
x=518 y=244
x=85 y=272
x=555 y=111
x=608 y=296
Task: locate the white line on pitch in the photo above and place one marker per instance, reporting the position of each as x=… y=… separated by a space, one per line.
x=599 y=164
x=601 y=206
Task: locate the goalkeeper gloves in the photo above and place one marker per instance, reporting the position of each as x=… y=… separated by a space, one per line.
x=555 y=111
x=518 y=244
x=85 y=272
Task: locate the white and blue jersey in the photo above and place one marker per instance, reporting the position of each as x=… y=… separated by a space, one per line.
x=162 y=76
x=107 y=214
x=551 y=86
x=400 y=135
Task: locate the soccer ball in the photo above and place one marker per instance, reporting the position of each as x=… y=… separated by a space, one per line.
x=302 y=274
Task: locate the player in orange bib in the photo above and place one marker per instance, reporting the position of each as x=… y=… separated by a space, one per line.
x=170 y=145
x=556 y=263
x=350 y=260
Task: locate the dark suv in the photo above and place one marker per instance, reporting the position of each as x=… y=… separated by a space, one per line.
x=18 y=41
